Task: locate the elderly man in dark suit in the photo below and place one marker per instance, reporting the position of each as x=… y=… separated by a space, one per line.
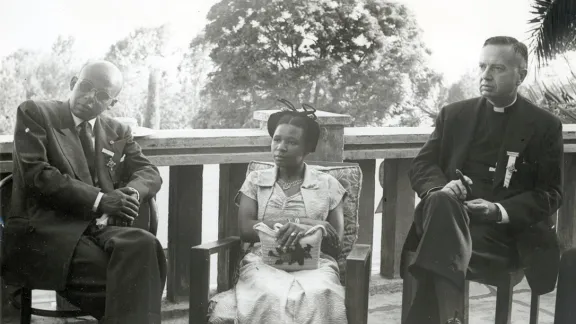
x=510 y=153
x=79 y=181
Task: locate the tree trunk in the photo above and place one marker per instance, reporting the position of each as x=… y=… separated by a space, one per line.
x=152 y=113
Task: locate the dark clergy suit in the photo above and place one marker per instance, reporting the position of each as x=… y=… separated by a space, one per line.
x=117 y=274
x=449 y=243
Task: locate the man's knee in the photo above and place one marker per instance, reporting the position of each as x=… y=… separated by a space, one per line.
x=145 y=237
x=442 y=206
x=438 y=196
x=442 y=202
x=136 y=238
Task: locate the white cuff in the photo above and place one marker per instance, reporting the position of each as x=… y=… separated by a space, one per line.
x=97 y=202
x=137 y=193
x=505 y=217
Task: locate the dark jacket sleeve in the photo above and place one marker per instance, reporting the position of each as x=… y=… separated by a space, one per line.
x=425 y=173
x=142 y=175
x=39 y=177
x=536 y=205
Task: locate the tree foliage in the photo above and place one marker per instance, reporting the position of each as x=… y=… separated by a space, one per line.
x=361 y=57
x=465 y=87
x=137 y=55
x=27 y=74
x=554 y=28
x=146 y=56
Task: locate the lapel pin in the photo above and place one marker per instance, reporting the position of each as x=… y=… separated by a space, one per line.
x=111 y=142
x=27 y=130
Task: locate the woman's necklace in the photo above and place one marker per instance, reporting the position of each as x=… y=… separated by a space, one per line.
x=287 y=185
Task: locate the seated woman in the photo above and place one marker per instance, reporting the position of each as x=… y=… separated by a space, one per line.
x=298 y=197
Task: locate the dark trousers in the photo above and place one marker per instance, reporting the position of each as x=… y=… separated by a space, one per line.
x=117 y=275
x=452 y=247
x=566 y=289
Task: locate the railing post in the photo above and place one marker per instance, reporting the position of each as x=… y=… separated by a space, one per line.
x=566 y=223
x=397 y=213
x=231 y=179
x=184 y=226
x=330 y=146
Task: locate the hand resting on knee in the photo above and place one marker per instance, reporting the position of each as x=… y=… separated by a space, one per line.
x=121 y=205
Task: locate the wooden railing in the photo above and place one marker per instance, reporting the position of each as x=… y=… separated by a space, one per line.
x=185 y=152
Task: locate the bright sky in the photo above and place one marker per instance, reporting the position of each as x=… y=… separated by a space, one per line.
x=453 y=29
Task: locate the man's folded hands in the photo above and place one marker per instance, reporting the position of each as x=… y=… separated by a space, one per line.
x=121 y=205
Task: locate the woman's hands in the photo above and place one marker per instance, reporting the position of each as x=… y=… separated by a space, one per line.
x=289 y=234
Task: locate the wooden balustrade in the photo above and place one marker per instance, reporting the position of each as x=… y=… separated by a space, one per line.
x=186 y=151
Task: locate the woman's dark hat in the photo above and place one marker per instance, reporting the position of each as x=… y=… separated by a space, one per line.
x=313 y=129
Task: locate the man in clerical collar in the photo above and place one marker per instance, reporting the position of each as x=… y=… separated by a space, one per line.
x=493 y=215
x=80 y=180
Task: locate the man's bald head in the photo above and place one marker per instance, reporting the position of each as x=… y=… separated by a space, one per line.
x=95 y=89
x=105 y=72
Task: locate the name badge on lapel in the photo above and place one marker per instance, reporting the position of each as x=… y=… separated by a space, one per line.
x=510 y=167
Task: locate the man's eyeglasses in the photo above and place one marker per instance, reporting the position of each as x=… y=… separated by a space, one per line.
x=100 y=95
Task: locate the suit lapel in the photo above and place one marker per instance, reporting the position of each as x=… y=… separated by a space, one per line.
x=466 y=123
x=70 y=143
x=105 y=138
x=518 y=132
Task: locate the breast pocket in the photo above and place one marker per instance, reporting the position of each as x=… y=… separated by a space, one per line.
x=525 y=174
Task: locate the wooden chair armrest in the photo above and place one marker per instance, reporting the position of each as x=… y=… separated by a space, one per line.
x=153 y=221
x=200 y=273
x=358 y=270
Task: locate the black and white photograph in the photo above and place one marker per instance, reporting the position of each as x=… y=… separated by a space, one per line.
x=288 y=162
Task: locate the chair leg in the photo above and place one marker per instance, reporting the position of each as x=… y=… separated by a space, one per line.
x=465 y=316
x=409 y=286
x=26 y=306
x=1 y=300
x=504 y=302
x=534 y=308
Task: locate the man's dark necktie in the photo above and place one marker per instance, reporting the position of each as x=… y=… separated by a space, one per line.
x=87 y=146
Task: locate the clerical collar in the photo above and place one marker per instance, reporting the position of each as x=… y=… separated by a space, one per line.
x=503 y=109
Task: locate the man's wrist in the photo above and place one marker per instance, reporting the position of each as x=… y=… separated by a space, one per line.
x=504 y=219
x=136 y=192
x=498 y=215
x=97 y=201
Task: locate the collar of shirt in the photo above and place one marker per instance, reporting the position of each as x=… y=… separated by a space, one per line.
x=78 y=121
x=503 y=109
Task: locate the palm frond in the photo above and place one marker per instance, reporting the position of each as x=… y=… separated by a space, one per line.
x=554 y=28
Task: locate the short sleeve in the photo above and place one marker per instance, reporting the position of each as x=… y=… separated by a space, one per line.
x=337 y=192
x=249 y=188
